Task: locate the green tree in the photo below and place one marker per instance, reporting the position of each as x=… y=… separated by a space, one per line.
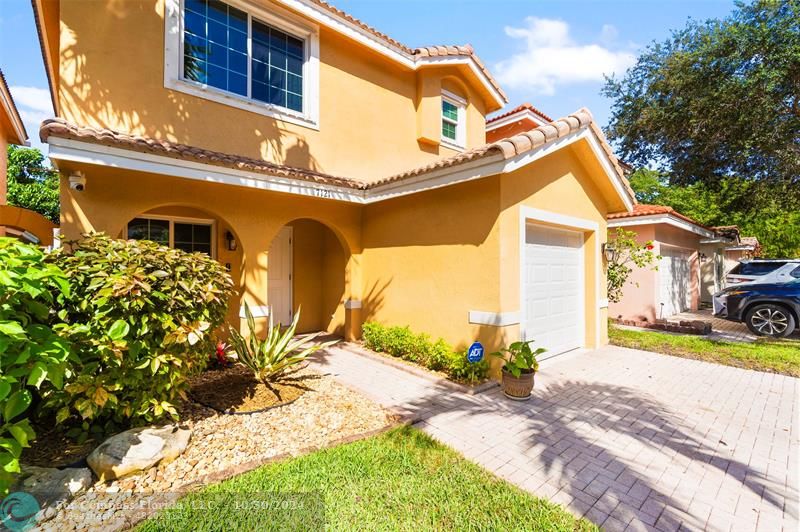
x=31 y=183
x=718 y=99
x=758 y=210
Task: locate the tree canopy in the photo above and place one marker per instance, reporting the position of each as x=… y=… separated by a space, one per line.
x=719 y=98
x=31 y=183
x=764 y=216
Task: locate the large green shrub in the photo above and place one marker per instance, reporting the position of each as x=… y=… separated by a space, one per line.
x=400 y=342
x=140 y=317
x=30 y=351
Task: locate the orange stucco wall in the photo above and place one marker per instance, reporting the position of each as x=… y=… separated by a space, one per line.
x=372 y=110
x=430 y=258
x=14 y=220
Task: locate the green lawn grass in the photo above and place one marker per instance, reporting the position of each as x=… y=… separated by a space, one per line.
x=779 y=356
x=400 y=480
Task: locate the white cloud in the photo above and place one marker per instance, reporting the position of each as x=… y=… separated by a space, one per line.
x=608 y=34
x=551 y=58
x=34 y=106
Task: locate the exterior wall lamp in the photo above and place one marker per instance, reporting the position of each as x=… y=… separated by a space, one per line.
x=609 y=251
x=230 y=240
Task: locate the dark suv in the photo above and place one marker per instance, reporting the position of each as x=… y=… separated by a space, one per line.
x=768 y=309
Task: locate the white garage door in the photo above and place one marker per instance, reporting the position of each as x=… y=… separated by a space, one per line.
x=675 y=273
x=554 y=293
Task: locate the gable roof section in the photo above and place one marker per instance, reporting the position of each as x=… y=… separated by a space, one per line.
x=498 y=157
x=643 y=213
x=521 y=110
x=19 y=135
x=330 y=16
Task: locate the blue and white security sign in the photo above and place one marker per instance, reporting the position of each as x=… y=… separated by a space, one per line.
x=475 y=352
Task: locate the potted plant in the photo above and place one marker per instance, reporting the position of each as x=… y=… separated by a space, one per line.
x=519 y=367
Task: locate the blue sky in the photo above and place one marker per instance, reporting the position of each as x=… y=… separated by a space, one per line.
x=550 y=53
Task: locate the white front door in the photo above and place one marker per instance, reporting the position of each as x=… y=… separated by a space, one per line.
x=279 y=277
x=675 y=275
x=554 y=289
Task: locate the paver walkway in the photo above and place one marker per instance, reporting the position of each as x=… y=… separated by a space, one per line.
x=630 y=439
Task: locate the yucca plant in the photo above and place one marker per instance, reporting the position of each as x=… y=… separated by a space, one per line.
x=271 y=357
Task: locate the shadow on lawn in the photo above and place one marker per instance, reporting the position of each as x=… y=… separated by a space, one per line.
x=559 y=427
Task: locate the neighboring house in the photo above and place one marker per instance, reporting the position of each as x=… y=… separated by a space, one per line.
x=745 y=247
x=518 y=120
x=14 y=221
x=329 y=166
x=727 y=248
x=683 y=246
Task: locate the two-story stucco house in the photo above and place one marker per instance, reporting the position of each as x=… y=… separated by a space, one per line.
x=330 y=166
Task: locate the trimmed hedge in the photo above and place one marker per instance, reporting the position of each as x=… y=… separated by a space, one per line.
x=437 y=355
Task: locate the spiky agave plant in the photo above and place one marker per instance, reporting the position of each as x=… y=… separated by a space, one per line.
x=271 y=357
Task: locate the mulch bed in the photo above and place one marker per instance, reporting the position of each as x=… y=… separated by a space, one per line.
x=222 y=444
x=235 y=390
x=53 y=448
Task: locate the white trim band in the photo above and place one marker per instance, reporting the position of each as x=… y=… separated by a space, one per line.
x=496 y=319
x=258 y=311
x=98 y=154
x=668 y=219
x=516 y=117
x=352 y=304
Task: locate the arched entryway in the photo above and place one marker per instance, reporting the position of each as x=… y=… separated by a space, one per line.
x=307 y=262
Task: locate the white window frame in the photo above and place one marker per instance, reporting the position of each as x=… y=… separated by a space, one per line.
x=181 y=219
x=274 y=16
x=460 y=143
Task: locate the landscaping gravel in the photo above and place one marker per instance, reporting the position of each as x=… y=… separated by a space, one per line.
x=327 y=413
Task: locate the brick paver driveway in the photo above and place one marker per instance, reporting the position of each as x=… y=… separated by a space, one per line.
x=631 y=440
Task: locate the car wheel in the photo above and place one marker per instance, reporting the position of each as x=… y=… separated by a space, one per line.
x=770 y=320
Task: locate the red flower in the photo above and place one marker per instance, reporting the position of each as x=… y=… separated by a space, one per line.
x=221 y=353
x=649 y=247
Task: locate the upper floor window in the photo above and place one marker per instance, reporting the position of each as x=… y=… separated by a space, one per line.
x=453 y=120
x=252 y=57
x=216 y=53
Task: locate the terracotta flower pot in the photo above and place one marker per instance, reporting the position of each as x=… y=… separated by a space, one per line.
x=517 y=388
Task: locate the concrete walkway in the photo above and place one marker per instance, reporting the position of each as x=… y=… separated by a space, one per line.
x=631 y=440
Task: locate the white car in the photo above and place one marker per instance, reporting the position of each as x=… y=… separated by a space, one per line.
x=764 y=271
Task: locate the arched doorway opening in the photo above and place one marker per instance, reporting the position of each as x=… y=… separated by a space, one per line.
x=306 y=271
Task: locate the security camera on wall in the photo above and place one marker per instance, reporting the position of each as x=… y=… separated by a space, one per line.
x=77 y=181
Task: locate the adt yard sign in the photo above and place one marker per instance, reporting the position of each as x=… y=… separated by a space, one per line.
x=475 y=353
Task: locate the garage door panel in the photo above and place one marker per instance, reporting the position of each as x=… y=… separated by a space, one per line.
x=554 y=295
